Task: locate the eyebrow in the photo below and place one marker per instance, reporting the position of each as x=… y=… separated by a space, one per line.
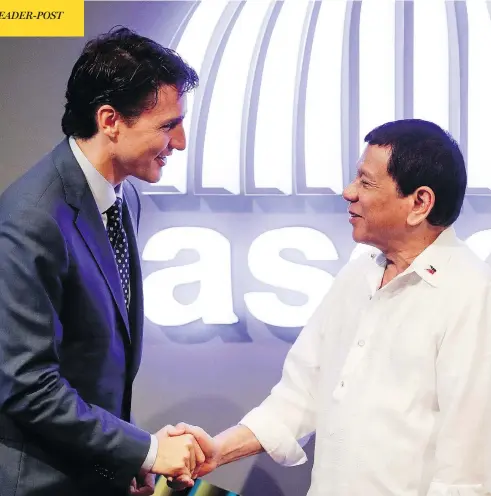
x=362 y=172
x=174 y=121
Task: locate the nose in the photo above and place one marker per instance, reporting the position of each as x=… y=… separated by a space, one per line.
x=178 y=138
x=350 y=193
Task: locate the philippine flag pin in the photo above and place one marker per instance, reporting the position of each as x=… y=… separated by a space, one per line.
x=431 y=269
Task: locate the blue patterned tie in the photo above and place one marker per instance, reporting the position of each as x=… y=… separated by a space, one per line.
x=119 y=243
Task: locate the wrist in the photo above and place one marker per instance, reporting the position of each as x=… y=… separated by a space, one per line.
x=221 y=445
x=151 y=457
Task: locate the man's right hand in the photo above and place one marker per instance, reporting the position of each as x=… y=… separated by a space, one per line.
x=178 y=455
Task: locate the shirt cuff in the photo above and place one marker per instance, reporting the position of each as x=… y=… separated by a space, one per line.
x=440 y=489
x=152 y=455
x=275 y=438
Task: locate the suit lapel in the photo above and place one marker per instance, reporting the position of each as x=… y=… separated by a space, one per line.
x=136 y=305
x=89 y=224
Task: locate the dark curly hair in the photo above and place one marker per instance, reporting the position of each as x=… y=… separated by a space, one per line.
x=122 y=69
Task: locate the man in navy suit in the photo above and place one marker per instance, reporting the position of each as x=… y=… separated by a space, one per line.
x=71 y=309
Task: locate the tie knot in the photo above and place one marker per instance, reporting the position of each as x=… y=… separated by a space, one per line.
x=114 y=214
x=116 y=208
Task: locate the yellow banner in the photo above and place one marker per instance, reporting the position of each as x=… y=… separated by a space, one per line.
x=41 y=18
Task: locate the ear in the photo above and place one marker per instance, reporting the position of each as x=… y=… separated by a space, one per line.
x=108 y=120
x=422 y=203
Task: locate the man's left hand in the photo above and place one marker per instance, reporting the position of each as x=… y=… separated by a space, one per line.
x=142 y=485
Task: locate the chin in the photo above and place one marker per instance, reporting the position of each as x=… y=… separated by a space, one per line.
x=151 y=177
x=358 y=237
x=154 y=178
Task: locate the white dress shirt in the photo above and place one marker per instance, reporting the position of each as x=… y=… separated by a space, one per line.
x=103 y=191
x=396 y=382
x=105 y=195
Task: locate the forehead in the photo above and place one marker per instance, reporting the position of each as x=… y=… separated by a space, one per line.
x=374 y=160
x=170 y=105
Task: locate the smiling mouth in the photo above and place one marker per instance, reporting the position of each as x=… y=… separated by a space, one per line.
x=353 y=215
x=162 y=159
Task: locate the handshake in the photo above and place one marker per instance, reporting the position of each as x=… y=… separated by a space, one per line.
x=185 y=452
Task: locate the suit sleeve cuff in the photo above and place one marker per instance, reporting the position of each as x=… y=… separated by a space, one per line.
x=151 y=456
x=275 y=438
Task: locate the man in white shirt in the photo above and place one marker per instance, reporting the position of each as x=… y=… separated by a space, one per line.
x=393 y=370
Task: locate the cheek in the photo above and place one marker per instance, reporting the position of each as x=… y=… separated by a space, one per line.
x=394 y=215
x=371 y=204
x=145 y=143
x=157 y=145
x=378 y=210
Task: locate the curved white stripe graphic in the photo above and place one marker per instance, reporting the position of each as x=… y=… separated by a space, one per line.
x=192 y=48
x=479 y=170
x=377 y=65
x=431 y=66
x=221 y=156
x=323 y=158
x=274 y=127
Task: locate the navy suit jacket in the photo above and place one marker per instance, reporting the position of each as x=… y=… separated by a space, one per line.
x=69 y=349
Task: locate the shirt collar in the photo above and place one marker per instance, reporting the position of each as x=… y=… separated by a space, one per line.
x=430 y=264
x=103 y=191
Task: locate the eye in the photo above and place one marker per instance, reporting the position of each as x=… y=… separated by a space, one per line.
x=170 y=125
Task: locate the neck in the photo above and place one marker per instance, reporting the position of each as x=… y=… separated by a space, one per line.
x=99 y=156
